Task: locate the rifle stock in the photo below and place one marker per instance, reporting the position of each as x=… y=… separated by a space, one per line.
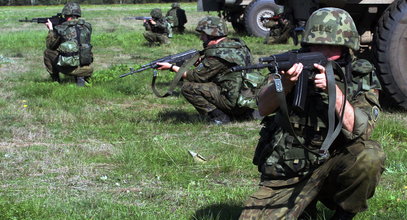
x=177 y=59
x=284 y=61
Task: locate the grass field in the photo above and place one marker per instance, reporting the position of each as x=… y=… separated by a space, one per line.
x=112 y=150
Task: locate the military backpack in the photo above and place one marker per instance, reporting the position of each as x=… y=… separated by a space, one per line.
x=75 y=49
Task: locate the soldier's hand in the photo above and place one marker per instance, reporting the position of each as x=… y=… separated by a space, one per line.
x=293 y=73
x=164 y=66
x=49 y=25
x=152 y=22
x=320 y=78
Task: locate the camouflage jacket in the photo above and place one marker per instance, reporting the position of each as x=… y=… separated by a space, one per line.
x=160 y=27
x=215 y=67
x=311 y=125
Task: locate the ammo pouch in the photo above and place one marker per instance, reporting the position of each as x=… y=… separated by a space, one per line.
x=86 y=55
x=68 y=54
x=280 y=157
x=251 y=84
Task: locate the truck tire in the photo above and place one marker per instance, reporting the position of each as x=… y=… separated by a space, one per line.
x=254 y=11
x=390 y=51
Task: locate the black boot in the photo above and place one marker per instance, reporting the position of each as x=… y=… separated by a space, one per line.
x=218 y=117
x=55 y=77
x=341 y=214
x=80 y=81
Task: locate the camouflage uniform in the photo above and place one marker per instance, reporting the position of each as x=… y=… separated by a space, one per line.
x=158 y=32
x=61 y=34
x=211 y=85
x=293 y=178
x=179 y=18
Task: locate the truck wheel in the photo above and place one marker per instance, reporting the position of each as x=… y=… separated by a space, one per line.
x=253 y=14
x=390 y=50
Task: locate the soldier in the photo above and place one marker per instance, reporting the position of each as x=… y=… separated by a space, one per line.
x=211 y=87
x=298 y=165
x=68 y=46
x=157 y=28
x=179 y=19
x=280 y=29
x=297 y=13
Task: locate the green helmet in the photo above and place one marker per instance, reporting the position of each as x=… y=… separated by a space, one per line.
x=156 y=13
x=175 y=5
x=71 y=8
x=279 y=10
x=331 y=26
x=212 y=26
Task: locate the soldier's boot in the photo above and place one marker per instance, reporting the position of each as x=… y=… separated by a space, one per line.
x=218 y=117
x=341 y=214
x=80 y=81
x=55 y=77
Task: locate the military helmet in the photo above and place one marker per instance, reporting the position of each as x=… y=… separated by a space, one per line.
x=331 y=26
x=212 y=26
x=279 y=10
x=71 y=8
x=175 y=5
x=156 y=13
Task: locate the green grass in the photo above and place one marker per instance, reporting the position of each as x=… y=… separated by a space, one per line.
x=112 y=150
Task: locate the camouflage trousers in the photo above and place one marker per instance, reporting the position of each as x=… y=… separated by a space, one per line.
x=346 y=180
x=206 y=97
x=51 y=59
x=155 y=38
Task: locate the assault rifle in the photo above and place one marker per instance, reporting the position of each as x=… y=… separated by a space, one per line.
x=284 y=61
x=55 y=20
x=138 y=18
x=177 y=59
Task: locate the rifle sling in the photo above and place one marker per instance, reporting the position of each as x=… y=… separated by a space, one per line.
x=78 y=38
x=184 y=67
x=331 y=134
x=284 y=121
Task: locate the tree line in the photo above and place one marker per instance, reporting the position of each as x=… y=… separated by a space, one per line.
x=61 y=2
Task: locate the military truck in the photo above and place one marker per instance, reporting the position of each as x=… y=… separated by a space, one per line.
x=382 y=25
